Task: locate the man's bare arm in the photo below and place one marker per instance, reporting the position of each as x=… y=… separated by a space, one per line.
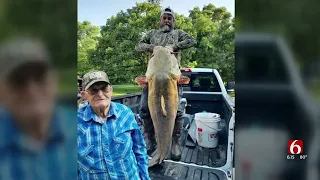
x=144 y=43
x=185 y=41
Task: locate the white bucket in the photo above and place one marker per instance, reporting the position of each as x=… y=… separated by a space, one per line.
x=207 y=129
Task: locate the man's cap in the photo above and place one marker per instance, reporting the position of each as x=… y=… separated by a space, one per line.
x=92 y=77
x=168 y=10
x=19 y=51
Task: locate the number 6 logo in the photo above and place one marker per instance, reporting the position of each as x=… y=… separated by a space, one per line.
x=295 y=146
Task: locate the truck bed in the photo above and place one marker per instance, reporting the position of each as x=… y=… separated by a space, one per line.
x=215 y=157
x=195 y=164
x=175 y=171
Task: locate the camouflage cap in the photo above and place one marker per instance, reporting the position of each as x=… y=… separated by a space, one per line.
x=168 y=10
x=94 y=76
x=19 y=51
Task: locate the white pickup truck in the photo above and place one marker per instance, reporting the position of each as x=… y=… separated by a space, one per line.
x=205 y=92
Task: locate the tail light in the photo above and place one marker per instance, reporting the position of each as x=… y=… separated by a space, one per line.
x=185 y=70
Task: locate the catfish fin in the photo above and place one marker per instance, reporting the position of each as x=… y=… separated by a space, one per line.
x=142 y=81
x=164 y=112
x=184 y=80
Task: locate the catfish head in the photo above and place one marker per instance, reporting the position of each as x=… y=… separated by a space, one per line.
x=163 y=60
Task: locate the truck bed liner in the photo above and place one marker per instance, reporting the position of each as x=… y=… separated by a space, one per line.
x=176 y=171
x=204 y=156
x=215 y=157
x=197 y=157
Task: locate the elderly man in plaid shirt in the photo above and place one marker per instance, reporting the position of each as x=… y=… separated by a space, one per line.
x=110 y=143
x=37 y=138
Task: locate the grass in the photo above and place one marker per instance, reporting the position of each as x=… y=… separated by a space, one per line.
x=123 y=89
x=119 y=90
x=68 y=85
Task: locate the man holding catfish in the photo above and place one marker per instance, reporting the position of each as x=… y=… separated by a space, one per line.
x=153 y=42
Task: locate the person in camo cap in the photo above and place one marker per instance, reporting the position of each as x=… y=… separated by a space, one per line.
x=110 y=143
x=35 y=138
x=178 y=40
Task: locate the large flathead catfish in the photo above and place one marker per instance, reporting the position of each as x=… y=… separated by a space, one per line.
x=162 y=76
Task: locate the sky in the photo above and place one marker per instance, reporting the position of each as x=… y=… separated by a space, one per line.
x=98 y=11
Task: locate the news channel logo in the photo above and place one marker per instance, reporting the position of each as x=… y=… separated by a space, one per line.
x=296 y=150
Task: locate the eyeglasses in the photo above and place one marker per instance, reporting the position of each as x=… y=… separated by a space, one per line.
x=95 y=90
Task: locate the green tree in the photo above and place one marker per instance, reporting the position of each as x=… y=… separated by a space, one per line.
x=215 y=36
x=87 y=40
x=115 y=52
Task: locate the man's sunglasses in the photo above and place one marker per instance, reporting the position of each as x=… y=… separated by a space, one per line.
x=95 y=90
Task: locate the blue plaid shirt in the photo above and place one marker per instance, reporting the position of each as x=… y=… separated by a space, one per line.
x=21 y=160
x=111 y=149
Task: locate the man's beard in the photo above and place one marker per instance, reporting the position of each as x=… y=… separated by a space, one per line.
x=166 y=28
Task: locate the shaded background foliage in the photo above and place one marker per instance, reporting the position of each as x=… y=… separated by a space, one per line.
x=45 y=20
x=293 y=19
x=113 y=49
x=52 y=21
